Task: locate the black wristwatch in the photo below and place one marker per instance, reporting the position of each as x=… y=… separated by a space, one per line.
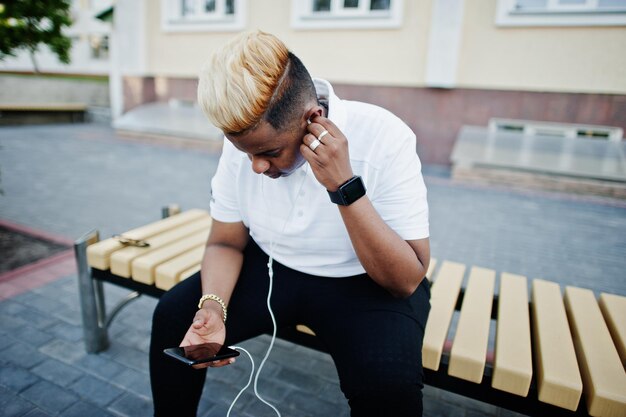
x=349 y=192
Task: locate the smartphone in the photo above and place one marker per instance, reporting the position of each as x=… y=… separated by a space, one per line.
x=196 y=354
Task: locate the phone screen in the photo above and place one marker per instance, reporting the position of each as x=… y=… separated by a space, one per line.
x=206 y=352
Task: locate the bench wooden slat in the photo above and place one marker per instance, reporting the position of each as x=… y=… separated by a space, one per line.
x=431 y=269
x=189 y=272
x=602 y=371
x=99 y=254
x=559 y=382
x=305 y=329
x=558 y=376
x=144 y=267
x=469 y=349
x=614 y=311
x=513 y=368
x=121 y=260
x=168 y=273
x=43 y=107
x=444 y=294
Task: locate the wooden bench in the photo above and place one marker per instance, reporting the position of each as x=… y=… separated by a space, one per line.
x=22 y=113
x=553 y=355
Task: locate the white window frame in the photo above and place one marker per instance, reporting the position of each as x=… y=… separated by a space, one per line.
x=172 y=19
x=556 y=14
x=339 y=17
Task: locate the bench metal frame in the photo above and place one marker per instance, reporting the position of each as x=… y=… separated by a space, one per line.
x=96 y=322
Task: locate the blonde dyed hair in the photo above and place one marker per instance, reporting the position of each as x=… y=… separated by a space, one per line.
x=240 y=81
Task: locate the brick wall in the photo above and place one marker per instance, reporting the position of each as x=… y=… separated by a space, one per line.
x=435 y=115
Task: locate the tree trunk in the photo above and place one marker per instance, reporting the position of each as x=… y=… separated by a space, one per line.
x=31 y=44
x=32 y=58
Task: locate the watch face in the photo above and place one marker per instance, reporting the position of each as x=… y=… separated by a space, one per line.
x=349 y=192
x=353 y=190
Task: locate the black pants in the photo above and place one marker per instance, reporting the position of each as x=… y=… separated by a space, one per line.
x=374 y=339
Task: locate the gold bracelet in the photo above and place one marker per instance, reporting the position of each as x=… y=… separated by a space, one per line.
x=214 y=298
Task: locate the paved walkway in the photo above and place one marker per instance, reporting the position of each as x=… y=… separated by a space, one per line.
x=66 y=180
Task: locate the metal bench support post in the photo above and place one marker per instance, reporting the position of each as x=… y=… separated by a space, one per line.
x=91 y=295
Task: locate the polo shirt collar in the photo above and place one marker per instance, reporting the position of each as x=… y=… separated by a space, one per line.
x=336 y=109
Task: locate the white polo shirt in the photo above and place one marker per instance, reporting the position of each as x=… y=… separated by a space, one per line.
x=293 y=219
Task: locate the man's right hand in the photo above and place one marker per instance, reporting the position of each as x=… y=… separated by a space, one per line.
x=207 y=327
x=221 y=266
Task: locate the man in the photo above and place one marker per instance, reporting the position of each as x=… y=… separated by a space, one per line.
x=331 y=193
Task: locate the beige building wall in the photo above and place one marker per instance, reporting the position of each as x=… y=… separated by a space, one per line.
x=553 y=74
x=558 y=59
x=379 y=57
x=566 y=59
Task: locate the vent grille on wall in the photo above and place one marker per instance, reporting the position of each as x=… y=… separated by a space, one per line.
x=567 y=130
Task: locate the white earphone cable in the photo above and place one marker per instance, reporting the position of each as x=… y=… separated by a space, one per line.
x=270 y=272
x=249 y=379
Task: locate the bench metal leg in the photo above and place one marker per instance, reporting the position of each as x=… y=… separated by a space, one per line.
x=92 y=303
x=125 y=301
x=91 y=293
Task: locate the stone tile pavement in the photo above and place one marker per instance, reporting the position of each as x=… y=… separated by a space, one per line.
x=66 y=180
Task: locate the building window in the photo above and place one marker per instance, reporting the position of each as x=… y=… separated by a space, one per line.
x=202 y=15
x=561 y=12
x=99 y=46
x=346 y=14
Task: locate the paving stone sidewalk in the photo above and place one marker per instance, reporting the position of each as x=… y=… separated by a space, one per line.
x=68 y=179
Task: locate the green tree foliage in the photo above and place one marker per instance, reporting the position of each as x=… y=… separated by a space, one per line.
x=25 y=24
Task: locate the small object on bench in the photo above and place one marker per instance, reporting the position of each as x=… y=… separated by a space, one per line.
x=131 y=242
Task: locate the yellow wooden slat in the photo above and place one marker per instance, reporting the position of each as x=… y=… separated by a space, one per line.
x=558 y=376
x=144 y=267
x=513 y=368
x=98 y=254
x=444 y=293
x=189 y=272
x=43 y=107
x=602 y=371
x=469 y=350
x=305 y=329
x=614 y=311
x=121 y=260
x=168 y=273
x=431 y=269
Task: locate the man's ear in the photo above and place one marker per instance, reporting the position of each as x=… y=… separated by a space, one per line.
x=314 y=111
